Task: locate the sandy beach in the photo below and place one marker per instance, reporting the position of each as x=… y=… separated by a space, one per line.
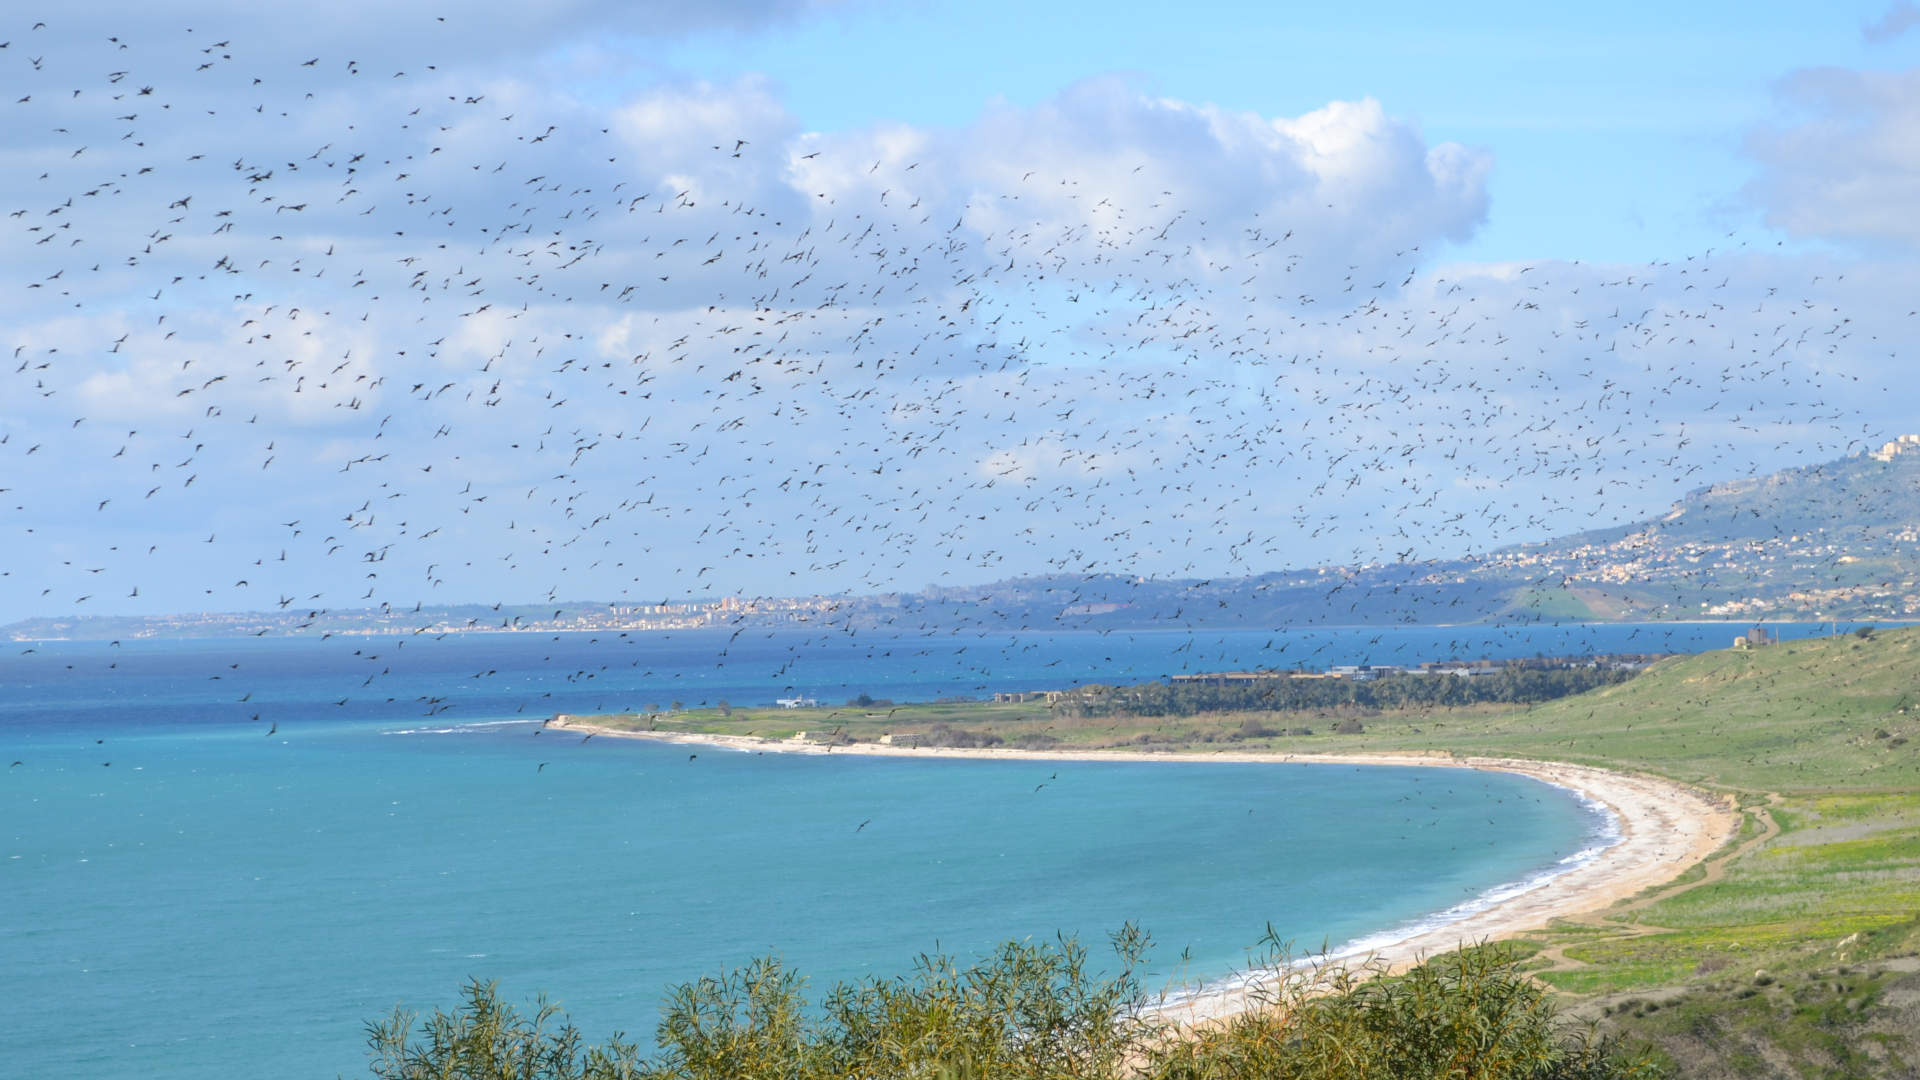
x=1664 y=828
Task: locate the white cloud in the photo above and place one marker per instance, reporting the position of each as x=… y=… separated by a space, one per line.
x=1348 y=181
x=1849 y=168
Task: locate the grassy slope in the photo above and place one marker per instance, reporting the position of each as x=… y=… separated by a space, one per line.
x=1818 y=739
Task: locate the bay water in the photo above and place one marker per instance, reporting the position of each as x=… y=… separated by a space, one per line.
x=223 y=857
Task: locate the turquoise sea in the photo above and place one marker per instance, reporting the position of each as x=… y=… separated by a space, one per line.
x=221 y=858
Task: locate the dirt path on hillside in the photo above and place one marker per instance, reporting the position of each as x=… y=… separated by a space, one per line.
x=1617 y=919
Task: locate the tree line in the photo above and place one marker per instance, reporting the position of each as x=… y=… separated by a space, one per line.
x=1508 y=686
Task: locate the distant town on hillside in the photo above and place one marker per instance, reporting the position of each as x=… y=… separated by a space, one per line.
x=1834 y=541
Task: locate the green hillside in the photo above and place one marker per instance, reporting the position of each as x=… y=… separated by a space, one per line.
x=1842 y=497
x=1815 y=715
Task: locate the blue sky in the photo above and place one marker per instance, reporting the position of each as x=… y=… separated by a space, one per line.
x=639 y=301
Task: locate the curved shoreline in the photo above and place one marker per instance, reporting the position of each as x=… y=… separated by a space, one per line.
x=1665 y=828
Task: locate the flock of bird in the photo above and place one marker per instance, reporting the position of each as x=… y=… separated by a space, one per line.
x=300 y=333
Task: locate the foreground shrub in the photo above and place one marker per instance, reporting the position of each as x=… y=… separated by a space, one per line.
x=485 y=1039
x=1471 y=1015
x=1026 y=1011
x=1031 y=1012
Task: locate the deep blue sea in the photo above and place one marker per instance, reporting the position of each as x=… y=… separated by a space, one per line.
x=221 y=858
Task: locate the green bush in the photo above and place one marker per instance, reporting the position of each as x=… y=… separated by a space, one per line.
x=1032 y=1012
x=1471 y=1015
x=485 y=1039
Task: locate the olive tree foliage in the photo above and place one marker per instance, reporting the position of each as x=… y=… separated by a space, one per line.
x=1470 y=1015
x=1032 y=1011
x=1040 y=1011
x=487 y=1039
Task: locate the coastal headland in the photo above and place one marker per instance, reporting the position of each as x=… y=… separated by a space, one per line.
x=1762 y=905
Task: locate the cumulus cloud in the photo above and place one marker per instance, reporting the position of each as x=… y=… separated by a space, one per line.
x=1344 y=178
x=1102 y=167
x=1849 y=168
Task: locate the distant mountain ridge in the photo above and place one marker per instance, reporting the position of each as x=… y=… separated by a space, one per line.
x=1838 y=540
x=1866 y=494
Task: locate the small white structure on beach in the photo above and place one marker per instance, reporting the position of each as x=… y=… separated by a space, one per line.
x=796 y=702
